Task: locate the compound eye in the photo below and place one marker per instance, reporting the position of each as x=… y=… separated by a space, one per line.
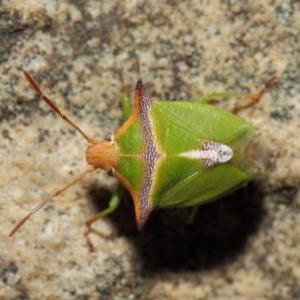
x=109 y=137
x=110 y=172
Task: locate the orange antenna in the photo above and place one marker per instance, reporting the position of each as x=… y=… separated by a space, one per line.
x=49 y=199
x=55 y=108
x=58 y=192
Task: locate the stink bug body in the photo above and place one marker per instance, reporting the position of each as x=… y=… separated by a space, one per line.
x=168 y=154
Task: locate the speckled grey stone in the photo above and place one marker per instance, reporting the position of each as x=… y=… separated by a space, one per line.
x=243 y=247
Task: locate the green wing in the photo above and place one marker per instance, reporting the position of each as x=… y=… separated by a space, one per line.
x=183 y=126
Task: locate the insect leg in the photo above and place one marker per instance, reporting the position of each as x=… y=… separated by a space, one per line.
x=113 y=204
x=254 y=98
x=126 y=103
x=187 y=215
x=210 y=96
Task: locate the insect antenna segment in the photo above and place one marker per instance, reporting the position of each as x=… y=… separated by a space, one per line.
x=49 y=199
x=55 y=108
x=58 y=192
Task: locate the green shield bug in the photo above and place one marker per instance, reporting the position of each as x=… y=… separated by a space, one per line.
x=168 y=154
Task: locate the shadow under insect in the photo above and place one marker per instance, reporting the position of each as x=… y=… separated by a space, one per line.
x=219 y=233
